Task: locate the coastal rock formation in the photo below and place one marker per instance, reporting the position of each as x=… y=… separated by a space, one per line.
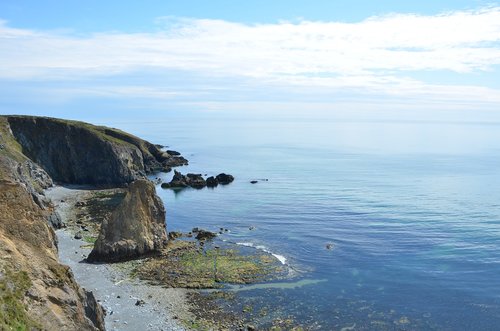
x=224 y=179
x=135 y=228
x=36 y=291
x=197 y=181
x=80 y=153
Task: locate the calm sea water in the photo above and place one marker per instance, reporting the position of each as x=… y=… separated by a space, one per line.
x=412 y=210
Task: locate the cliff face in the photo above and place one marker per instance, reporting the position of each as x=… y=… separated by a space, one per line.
x=80 y=153
x=36 y=291
x=136 y=227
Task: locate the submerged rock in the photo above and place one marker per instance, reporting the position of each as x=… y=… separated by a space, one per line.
x=136 y=227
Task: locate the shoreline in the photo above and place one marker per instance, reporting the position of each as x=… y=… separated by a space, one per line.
x=114 y=289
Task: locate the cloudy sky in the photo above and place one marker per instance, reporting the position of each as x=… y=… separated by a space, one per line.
x=243 y=56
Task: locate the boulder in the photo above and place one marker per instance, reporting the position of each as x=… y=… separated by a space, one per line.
x=205 y=235
x=224 y=179
x=196 y=181
x=135 y=228
x=212 y=181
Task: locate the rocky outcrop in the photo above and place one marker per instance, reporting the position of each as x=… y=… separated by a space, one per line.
x=136 y=227
x=36 y=291
x=224 y=179
x=80 y=153
x=196 y=181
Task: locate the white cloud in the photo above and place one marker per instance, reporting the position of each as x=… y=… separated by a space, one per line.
x=374 y=54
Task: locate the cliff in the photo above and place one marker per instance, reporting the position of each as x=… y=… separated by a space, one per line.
x=80 y=153
x=36 y=291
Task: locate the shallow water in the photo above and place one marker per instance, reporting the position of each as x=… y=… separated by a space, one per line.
x=412 y=210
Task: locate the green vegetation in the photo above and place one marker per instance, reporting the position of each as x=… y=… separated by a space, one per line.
x=188 y=266
x=13 y=315
x=10 y=147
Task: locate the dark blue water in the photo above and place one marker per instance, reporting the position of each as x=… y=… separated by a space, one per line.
x=412 y=210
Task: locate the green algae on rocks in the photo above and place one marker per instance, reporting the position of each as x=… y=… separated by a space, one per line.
x=188 y=265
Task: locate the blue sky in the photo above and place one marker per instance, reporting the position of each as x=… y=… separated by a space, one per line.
x=246 y=56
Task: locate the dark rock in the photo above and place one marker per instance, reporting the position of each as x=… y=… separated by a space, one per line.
x=174 y=235
x=93 y=310
x=140 y=302
x=205 y=235
x=55 y=220
x=254 y=181
x=135 y=228
x=195 y=230
x=212 y=181
x=329 y=246
x=196 y=181
x=251 y=228
x=181 y=181
x=78 y=235
x=173 y=153
x=224 y=179
x=159 y=146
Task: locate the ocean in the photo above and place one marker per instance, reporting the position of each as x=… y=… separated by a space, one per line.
x=411 y=210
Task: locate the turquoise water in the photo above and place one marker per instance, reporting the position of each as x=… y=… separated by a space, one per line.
x=412 y=210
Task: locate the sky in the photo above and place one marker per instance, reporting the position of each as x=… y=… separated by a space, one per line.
x=406 y=57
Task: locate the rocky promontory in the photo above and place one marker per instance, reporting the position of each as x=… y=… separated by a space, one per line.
x=74 y=152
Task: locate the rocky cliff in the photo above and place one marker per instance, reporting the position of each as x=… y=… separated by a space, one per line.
x=36 y=291
x=81 y=153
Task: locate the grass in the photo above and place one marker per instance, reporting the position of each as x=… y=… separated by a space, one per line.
x=13 y=314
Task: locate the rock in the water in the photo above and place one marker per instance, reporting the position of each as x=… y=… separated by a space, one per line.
x=78 y=235
x=254 y=181
x=205 y=235
x=224 y=179
x=196 y=181
x=212 y=181
x=174 y=235
x=135 y=228
x=174 y=153
x=140 y=302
